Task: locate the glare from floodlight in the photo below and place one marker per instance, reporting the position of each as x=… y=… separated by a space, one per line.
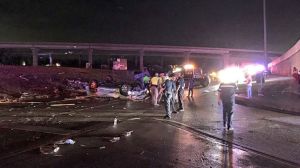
x=188 y=66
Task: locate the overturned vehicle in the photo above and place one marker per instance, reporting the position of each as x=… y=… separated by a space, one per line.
x=116 y=89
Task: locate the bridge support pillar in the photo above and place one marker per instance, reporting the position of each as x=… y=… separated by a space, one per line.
x=226 y=60
x=162 y=61
x=187 y=55
x=35 y=57
x=90 y=58
x=142 y=53
x=79 y=60
x=50 y=59
x=136 y=61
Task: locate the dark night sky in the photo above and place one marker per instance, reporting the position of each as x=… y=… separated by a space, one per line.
x=205 y=23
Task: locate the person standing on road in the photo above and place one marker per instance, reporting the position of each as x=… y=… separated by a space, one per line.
x=191 y=87
x=226 y=96
x=169 y=88
x=154 y=82
x=173 y=99
x=249 y=86
x=180 y=92
x=295 y=74
x=260 y=79
x=161 y=81
x=146 y=81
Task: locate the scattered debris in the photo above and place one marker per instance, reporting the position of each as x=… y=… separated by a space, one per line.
x=68 y=141
x=49 y=149
x=22 y=77
x=80 y=97
x=42 y=96
x=128 y=133
x=102 y=147
x=61 y=142
x=108 y=92
x=5 y=97
x=51 y=83
x=27 y=120
x=37 y=137
x=276 y=126
x=39 y=83
x=76 y=84
x=58 y=155
x=138 y=94
x=59 y=105
x=115 y=122
x=115 y=139
x=136 y=118
x=26 y=97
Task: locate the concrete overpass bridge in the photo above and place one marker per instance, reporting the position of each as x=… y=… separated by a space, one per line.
x=225 y=56
x=284 y=64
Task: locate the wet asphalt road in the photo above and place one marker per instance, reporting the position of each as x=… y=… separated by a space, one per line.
x=194 y=138
x=151 y=144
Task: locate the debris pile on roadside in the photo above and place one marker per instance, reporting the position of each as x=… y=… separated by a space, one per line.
x=38 y=84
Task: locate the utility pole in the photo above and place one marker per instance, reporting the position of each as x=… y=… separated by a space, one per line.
x=265 y=35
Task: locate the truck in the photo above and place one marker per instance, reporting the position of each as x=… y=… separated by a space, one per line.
x=189 y=71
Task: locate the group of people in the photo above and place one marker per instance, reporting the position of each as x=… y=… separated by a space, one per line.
x=169 y=88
